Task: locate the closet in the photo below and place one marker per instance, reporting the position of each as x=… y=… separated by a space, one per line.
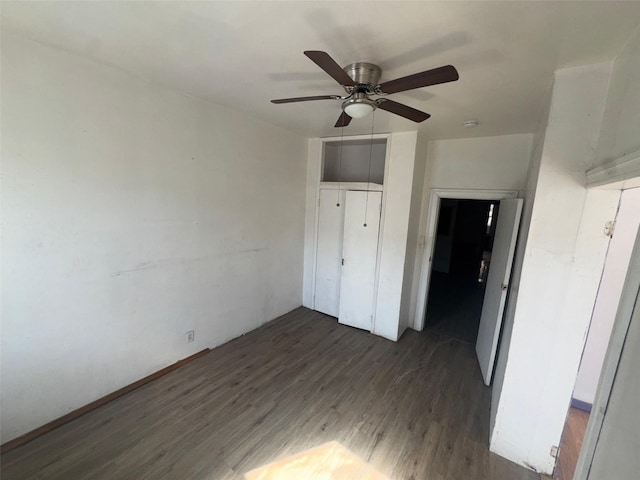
x=348 y=230
x=329 y=250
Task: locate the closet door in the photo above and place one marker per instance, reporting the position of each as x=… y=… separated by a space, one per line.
x=329 y=251
x=359 y=254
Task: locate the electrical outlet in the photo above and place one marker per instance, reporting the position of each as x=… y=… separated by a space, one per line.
x=190 y=336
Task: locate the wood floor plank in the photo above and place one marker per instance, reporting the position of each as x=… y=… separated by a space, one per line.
x=571 y=443
x=415 y=409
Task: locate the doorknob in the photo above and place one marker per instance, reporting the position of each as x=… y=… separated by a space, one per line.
x=504 y=287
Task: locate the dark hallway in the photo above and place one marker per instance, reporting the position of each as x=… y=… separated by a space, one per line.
x=460 y=266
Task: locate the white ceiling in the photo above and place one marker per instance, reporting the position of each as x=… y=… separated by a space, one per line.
x=242 y=54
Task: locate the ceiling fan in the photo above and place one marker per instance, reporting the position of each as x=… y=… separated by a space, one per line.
x=360 y=81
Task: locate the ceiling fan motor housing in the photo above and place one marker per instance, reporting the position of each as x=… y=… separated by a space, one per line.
x=363 y=73
x=366 y=77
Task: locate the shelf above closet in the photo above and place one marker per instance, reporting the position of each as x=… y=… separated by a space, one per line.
x=376 y=187
x=354 y=161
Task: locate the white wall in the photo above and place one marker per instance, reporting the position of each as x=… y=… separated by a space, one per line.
x=604 y=312
x=619 y=135
x=413 y=237
x=618 y=443
x=561 y=268
x=490 y=163
x=314 y=174
x=582 y=132
x=479 y=163
x=394 y=233
x=527 y=210
x=131 y=214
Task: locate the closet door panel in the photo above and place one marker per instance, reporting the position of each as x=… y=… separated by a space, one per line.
x=359 y=254
x=329 y=251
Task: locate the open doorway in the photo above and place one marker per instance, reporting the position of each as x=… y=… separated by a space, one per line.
x=461 y=258
x=503 y=232
x=623 y=233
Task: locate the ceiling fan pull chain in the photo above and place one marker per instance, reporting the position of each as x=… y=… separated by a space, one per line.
x=366 y=206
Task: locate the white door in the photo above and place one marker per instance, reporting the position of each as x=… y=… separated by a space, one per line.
x=329 y=251
x=495 y=296
x=359 y=254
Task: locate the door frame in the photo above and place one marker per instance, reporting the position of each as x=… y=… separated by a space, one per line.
x=437 y=194
x=629 y=300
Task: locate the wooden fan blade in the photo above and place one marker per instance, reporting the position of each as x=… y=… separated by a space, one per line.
x=306 y=99
x=445 y=74
x=402 y=110
x=343 y=120
x=329 y=65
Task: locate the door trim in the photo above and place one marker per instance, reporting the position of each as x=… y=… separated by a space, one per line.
x=429 y=234
x=629 y=300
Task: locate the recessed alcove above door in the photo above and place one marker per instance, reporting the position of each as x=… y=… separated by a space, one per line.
x=360 y=160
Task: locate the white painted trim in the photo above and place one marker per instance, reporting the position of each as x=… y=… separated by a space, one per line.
x=383 y=210
x=372 y=187
x=628 y=301
x=429 y=235
x=315 y=226
x=376 y=136
x=612 y=173
x=311 y=199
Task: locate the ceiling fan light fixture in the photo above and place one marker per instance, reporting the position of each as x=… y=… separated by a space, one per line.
x=360 y=82
x=358 y=107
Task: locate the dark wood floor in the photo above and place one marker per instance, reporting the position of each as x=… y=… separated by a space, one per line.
x=455 y=305
x=416 y=409
x=572 y=436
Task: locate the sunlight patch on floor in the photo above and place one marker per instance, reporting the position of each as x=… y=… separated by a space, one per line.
x=330 y=461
